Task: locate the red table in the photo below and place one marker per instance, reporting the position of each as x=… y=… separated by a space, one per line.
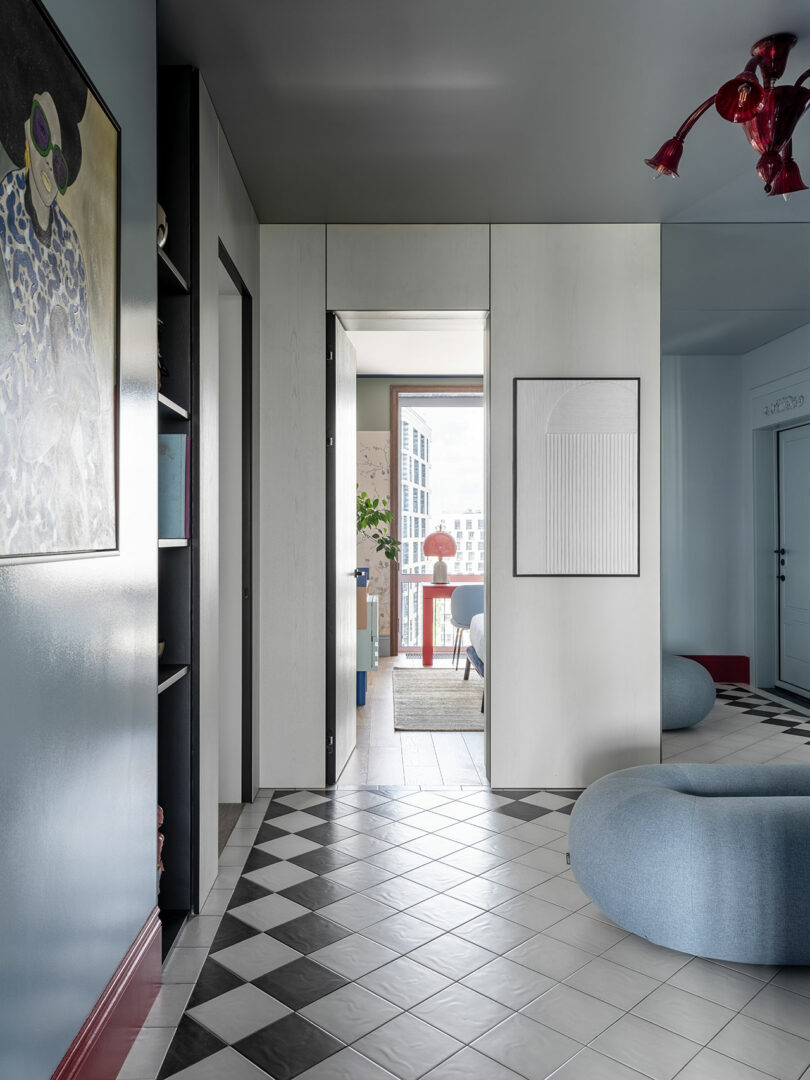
x=429 y=594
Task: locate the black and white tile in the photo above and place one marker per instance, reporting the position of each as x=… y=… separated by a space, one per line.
x=746 y=725
x=399 y=934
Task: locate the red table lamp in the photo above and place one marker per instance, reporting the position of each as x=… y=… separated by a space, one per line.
x=440 y=544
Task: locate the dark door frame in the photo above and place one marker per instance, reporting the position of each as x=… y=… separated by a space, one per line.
x=330 y=642
x=248 y=787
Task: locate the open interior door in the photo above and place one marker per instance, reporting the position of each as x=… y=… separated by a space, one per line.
x=341 y=549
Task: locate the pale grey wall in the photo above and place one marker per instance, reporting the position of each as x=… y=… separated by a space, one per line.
x=407 y=267
x=293 y=462
x=374 y=396
x=779 y=359
x=230 y=548
x=703 y=595
x=708 y=515
x=574 y=663
x=225 y=213
x=566 y=299
x=78 y=665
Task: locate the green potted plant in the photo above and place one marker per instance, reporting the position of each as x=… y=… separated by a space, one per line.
x=373 y=517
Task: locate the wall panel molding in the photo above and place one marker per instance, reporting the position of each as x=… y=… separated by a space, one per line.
x=105 y=1038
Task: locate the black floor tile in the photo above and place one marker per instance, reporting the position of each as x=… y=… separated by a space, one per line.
x=299 y=983
x=316 y=893
x=323 y=860
x=257 y=859
x=524 y=811
x=567 y=793
x=191 y=1043
x=275 y=810
x=231 y=931
x=330 y=811
x=214 y=980
x=308 y=933
x=328 y=833
x=269 y=832
x=281 y=793
x=289 y=1047
x=246 y=891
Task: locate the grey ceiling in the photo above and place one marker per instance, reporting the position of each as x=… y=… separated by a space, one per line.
x=515 y=111
x=483 y=110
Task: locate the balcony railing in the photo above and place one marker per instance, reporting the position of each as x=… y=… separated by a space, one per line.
x=410 y=612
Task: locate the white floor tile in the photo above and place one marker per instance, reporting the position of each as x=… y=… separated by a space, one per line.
x=645 y=1047
x=781 y=1008
x=147 y=1054
x=569 y=1011
x=716 y=983
x=686 y=1014
x=766 y=1048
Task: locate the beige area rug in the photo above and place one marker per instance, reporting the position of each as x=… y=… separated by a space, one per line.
x=437 y=699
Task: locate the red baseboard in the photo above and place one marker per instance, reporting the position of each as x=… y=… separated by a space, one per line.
x=105 y=1038
x=726 y=668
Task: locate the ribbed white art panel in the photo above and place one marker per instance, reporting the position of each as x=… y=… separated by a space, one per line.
x=576 y=476
x=591 y=482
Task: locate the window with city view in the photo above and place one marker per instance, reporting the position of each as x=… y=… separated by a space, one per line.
x=441 y=486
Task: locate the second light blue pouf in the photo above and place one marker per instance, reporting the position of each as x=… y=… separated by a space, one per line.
x=706 y=859
x=687 y=692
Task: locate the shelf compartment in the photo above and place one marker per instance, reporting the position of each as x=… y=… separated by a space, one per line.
x=172 y=542
x=170 y=409
x=169 y=674
x=170 y=280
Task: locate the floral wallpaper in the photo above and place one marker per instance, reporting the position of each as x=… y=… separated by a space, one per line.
x=374 y=476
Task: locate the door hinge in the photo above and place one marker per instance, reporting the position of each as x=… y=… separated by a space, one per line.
x=330 y=440
x=330 y=355
x=330 y=744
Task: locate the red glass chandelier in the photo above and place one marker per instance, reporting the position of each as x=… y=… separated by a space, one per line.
x=768 y=114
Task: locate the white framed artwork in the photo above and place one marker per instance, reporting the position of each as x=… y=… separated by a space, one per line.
x=576 y=477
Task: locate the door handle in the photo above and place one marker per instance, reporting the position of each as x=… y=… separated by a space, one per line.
x=779 y=551
x=780 y=577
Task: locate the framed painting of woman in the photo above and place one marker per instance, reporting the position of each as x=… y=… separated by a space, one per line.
x=59 y=296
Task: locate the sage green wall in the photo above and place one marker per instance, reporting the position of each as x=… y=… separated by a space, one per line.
x=373 y=396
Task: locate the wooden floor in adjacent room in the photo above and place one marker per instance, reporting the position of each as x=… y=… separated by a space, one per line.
x=385 y=756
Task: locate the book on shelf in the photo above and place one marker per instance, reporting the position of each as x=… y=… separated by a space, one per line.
x=174 y=487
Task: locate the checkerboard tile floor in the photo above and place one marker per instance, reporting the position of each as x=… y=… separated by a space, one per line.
x=379 y=933
x=746 y=725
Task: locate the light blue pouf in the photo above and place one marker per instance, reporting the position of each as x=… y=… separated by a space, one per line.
x=687 y=692
x=705 y=859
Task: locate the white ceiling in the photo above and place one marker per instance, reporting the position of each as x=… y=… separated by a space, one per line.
x=419 y=352
x=483 y=110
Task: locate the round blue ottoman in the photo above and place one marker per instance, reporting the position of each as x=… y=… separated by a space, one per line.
x=687 y=692
x=705 y=859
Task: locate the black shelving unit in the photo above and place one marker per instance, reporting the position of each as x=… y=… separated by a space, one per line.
x=177 y=558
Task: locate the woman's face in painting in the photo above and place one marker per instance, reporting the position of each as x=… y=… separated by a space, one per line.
x=47 y=165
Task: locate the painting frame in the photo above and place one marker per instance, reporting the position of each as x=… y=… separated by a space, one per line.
x=77 y=507
x=522 y=450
